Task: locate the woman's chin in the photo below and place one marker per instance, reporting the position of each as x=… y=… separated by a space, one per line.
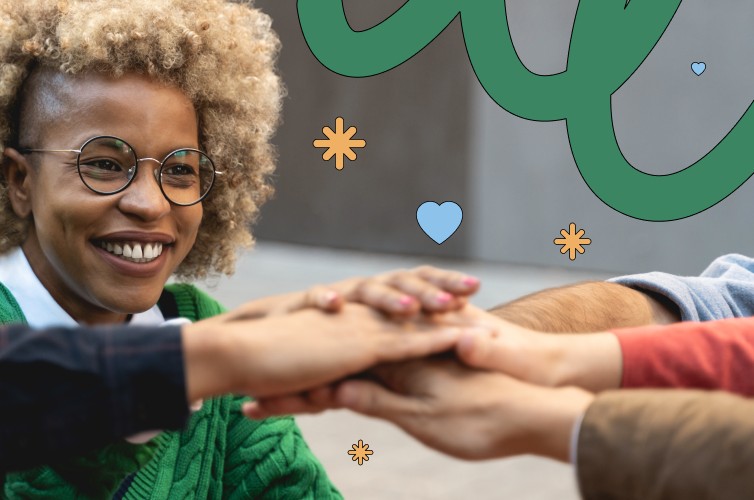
x=131 y=302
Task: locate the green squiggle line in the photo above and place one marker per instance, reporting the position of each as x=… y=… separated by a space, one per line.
x=610 y=40
x=378 y=49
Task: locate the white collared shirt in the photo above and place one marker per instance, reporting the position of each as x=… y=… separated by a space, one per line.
x=37 y=304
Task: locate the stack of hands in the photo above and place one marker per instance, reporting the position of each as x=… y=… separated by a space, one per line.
x=407 y=347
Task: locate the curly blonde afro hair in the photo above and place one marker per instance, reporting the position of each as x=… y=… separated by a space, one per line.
x=220 y=54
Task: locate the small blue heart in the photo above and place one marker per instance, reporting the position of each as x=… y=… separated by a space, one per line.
x=698 y=68
x=439 y=222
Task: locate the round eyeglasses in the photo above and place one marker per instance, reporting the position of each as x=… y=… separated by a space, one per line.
x=108 y=165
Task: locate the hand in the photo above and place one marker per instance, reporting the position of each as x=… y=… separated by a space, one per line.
x=302 y=350
x=459 y=411
x=508 y=348
x=592 y=361
x=402 y=292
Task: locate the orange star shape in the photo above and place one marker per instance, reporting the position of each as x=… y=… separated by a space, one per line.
x=572 y=241
x=339 y=143
x=360 y=452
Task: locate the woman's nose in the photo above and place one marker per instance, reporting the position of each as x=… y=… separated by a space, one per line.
x=143 y=197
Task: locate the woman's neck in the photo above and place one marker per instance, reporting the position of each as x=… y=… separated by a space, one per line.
x=80 y=310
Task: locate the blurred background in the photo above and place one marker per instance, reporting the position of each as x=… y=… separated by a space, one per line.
x=434 y=135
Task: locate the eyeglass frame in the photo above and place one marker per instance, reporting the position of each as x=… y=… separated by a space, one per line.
x=78 y=152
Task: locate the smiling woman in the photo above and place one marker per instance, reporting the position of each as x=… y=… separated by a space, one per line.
x=219 y=65
x=64 y=245
x=135 y=142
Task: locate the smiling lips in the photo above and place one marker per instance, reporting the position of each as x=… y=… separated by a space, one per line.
x=133 y=251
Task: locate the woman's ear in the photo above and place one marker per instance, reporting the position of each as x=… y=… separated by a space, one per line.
x=16 y=170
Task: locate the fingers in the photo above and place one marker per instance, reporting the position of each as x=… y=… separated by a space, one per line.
x=321 y=297
x=453 y=282
x=481 y=349
x=374 y=400
x=318 y=297
x=361 y=396
x=430 y=296
x=385 y=297
x=402 y=293
x=408 y=292
x=313 y=401
x=411 y=345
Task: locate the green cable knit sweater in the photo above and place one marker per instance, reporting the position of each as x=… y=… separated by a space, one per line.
x=219 y=453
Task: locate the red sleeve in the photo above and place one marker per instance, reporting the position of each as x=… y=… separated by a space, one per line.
x=709 y=355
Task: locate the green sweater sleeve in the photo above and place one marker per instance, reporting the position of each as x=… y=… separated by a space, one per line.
x=270 y=459
x=266 y=458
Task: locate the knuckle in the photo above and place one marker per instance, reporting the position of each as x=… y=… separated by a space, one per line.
x=365 y=284
x=425 y=269
x=397 y=273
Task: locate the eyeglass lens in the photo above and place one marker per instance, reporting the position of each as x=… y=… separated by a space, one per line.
x=107 y=165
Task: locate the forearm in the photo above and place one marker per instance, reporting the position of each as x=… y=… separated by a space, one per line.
x=666 y=445
x=587 y=307
x=592 y=361
x=65 y=391
x=708 y=355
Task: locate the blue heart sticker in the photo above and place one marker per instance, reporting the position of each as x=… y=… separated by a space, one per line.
x=698 y=68
x=439 y=222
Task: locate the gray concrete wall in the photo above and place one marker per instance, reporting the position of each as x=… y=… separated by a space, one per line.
x=415 y=121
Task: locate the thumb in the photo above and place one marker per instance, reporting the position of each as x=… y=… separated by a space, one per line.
x=482 y=349
x=322 y=297
x=369 y=398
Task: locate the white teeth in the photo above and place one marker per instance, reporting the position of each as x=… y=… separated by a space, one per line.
x=134 y=251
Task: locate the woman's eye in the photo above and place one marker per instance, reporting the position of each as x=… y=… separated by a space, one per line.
x=179 y=170
x=102 y=164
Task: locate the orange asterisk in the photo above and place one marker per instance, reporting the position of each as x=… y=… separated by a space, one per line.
x=572 y=241
x=360 y=452
x=339 y=143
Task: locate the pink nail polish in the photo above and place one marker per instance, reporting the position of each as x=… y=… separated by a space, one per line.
x=470 y=281
x=406 y=301
x=330 y=297
x=443 y=297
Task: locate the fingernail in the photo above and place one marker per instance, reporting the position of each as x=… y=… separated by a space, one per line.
x=443 y=297
x=347 y=397
x=470 y=281
x=406 y=301
x=330 y=297
x=249 y=410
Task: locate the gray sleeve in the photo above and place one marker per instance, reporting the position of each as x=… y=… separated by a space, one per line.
x=724 y=290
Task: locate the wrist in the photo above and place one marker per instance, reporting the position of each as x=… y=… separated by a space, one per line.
x=206 y=354
x=555 y=415
x=592 y=361
x=552 y=351
x=525 y=354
